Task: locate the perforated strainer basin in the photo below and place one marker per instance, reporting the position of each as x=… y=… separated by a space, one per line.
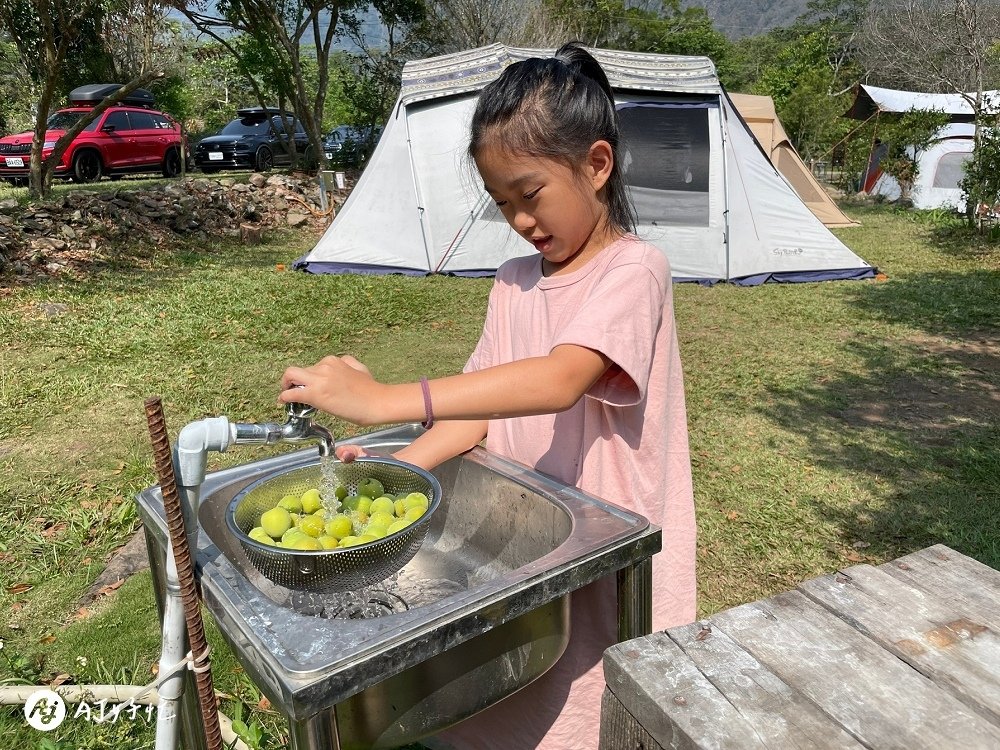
x=333 y=570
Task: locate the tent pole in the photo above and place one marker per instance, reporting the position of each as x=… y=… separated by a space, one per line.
x=846 y=137
x=723 y=123
x=416 y=187
x=462 y=231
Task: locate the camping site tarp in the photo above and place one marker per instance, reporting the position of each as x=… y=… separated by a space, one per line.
x=759 y=114
x=705 y=192
x=870 y=100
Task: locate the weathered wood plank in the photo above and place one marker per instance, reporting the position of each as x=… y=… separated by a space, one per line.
x=620 y=730
x=940 y=639
x=656 y=683
x=952 y=577
x=781 y=716
x=879 y=699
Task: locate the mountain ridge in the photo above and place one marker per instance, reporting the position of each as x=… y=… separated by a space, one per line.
x=740 y=18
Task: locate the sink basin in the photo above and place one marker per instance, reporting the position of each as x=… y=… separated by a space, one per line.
x=480 y=611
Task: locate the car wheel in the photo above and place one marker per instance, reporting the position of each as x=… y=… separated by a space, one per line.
x=309 y=158
x=263 y=160
x=87 y=166
x=171 y=163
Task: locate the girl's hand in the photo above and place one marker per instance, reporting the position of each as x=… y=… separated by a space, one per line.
x=341 y=386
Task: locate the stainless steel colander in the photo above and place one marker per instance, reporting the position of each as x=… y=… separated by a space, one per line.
x=333 y=570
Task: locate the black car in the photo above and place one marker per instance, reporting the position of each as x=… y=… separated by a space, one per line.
x=256 y=139
x=348 y=146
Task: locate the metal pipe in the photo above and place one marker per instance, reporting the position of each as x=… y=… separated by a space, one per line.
x=635 y=602
x=317 y=732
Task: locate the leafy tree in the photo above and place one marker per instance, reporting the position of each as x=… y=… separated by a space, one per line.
x=908 y=136
x=981 y=183
x=279 y=46
x=15 y=89
x=372 y=75
x=651 y=26
x=47 y=34
x=455 y=25
x=929 y=45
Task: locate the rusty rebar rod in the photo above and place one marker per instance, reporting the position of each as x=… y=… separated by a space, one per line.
x=164 y=465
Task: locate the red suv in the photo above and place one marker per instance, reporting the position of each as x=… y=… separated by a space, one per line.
x=128 y=137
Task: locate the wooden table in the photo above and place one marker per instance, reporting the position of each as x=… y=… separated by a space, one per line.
x=903 y=655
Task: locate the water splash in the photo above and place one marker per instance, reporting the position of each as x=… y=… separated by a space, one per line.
x=329 y=481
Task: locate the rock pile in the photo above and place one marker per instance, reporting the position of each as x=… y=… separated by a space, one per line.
x=82 y=227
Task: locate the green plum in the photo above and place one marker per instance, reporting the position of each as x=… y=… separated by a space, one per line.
x=328 y=542
x=258 y=534
x=311 y=501
x=360 y=504
x=339 y=526
x=311 y=525
x=381 y=518
x=305 y=543
x=412 y=514
x=370 y=487
x=291 y=503
x=416 y=500
x=350 y=541
x=384 y=504
x=276 y=522
x=397 y=525
x=341 y=492
x=292 y=533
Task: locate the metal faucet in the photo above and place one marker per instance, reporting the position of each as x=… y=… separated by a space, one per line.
x=298 y=428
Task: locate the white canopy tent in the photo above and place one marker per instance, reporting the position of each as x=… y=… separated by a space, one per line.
x=941 y=166
x=869 y=100
x=941 y=169
x=705 y=192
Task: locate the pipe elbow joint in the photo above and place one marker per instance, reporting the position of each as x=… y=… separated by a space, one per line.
x=193 y=444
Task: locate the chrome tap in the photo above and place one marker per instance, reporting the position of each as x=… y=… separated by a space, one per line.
x=299 y=427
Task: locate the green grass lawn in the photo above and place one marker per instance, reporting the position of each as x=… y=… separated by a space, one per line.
x=830 y=423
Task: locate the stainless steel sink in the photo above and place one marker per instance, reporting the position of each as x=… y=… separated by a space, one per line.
x=479 y=612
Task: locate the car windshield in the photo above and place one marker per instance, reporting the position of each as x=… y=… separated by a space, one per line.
x=66 y=120
x=246 y=126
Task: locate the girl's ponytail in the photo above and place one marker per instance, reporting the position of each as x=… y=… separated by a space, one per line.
x=582 y=63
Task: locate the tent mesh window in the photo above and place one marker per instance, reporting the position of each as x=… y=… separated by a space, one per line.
x=665 y=159
x=950 y=170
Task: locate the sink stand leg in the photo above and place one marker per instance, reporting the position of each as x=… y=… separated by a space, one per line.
x=318 y=732
x=635 y=600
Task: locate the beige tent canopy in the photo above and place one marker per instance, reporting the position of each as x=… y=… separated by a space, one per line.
x=760 y=116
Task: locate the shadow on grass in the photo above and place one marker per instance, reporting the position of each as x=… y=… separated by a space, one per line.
x=916 y=421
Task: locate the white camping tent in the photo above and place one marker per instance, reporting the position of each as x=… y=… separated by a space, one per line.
x=705 y=192
x=941 y=166
x=941 y=169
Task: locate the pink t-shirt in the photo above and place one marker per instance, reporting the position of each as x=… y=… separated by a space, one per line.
x=625 y=441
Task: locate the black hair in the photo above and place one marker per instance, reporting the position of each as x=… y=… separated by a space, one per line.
x=555 y=107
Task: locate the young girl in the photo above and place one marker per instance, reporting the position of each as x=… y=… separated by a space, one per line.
x=577 y=372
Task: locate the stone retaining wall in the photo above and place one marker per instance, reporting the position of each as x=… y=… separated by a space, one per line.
x=83 y=227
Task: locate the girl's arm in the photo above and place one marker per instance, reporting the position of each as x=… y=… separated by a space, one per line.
x=446 y=440
x=343 y=387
